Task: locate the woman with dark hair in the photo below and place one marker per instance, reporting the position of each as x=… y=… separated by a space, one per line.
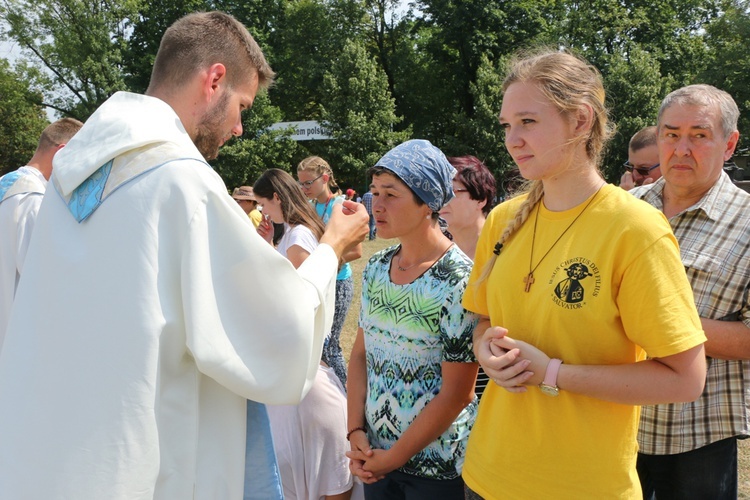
x=474 y=186
x=412 y=371
x=465 y=214
x=285 y=203
x=309 y=438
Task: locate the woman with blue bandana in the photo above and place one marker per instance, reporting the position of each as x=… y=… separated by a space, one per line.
x=411 y=377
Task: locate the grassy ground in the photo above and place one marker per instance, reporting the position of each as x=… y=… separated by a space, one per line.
x=743 y=452
x=350 y=331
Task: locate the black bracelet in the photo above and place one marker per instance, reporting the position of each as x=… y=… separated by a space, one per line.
x=362 y=428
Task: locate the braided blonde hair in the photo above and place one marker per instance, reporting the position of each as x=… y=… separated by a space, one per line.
x=319 y=166
x=569 y=83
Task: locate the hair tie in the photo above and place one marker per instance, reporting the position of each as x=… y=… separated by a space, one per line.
x=498 y=247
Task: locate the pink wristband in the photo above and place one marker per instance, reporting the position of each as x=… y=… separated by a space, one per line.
x=549 y=385
x=550 y=377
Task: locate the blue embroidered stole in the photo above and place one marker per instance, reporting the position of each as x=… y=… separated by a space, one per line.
x=19 y=182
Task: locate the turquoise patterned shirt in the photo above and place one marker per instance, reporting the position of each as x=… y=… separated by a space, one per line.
x=409 y=330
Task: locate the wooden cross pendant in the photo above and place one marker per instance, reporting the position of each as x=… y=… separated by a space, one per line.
x=529 y=280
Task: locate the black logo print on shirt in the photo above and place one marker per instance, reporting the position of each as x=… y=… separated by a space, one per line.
x=576 y=286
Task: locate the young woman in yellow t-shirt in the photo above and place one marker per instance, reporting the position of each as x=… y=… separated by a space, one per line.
x=577 y=282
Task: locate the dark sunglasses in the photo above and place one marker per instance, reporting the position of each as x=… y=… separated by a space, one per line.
x=644 y=171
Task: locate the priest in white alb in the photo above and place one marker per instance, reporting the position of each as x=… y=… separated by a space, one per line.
x=21 y=193
x=138 y=333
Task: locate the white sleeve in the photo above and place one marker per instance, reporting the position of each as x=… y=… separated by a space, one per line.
x=26 y=213
x=253 y=323
x=303 y=238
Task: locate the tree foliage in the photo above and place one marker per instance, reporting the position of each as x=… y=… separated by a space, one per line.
x=634 y=89
x=75 y=46
x=21 y=120
x=359 y=112
x=729 y=65
x=381 y=71
x=310 y=35
x=484 y=127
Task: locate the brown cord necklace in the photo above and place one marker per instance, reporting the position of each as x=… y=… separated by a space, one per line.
x=529 y=278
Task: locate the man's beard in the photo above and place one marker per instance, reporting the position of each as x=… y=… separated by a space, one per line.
x=209 y=134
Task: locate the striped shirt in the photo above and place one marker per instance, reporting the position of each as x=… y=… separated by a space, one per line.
x=714 y=237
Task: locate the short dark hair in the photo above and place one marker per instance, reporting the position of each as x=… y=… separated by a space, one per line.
x=204 y=38
x=644 y=138
x=479 y=181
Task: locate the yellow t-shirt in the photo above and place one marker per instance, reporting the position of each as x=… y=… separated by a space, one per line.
x=612 y=284
x=255 y=217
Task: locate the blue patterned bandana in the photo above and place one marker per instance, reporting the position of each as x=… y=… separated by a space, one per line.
x=424 y=168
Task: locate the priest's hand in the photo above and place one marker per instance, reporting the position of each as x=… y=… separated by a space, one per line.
x=347 y=227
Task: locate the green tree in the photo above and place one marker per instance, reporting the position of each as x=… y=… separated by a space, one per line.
x=484 y=127
x=669 y=30
x=437 y=90
x=22 y=120
x=729 y=64
x=385 y=28
x=307 y=37
x=635 y=88
x=76 y=47
x=243 y=160
x=359 y=113
x=473 y=29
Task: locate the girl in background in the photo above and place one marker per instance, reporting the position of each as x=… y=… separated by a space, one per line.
x=309 y=438
x=316 y=179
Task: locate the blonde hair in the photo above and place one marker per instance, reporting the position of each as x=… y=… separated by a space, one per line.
x=568 y=83
x=59 y=132
x=319 y=166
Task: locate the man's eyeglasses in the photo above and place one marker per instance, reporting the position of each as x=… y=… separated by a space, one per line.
x=307 y=184
x=644 y=171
